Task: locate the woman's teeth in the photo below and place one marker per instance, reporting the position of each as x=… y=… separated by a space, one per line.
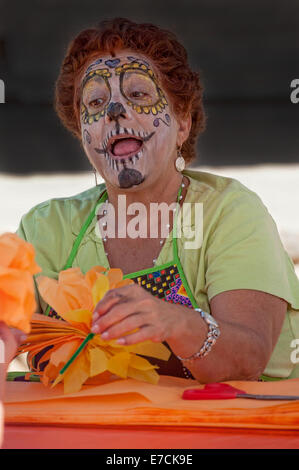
x=117 y=164
x=124 y=138
x=124 y=131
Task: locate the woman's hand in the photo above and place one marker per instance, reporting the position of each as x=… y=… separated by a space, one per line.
x=10 y=340
x=128 y=308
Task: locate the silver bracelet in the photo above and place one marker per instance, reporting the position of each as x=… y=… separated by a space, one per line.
x=213 y=334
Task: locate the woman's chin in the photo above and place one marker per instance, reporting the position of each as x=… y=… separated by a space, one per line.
x=125 y=179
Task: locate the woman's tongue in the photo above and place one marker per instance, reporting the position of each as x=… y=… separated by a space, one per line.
x=126 y=146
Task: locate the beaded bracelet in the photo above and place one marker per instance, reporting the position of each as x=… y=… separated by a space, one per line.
x=213 y=334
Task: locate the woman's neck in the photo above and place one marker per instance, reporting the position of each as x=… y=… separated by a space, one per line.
x=160 y=191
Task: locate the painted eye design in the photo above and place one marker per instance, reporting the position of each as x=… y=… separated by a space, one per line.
x=140 y=89
x=96 y=103
x=96 y=95
x=139 y=94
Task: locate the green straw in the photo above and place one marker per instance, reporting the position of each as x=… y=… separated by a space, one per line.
x=76 y=353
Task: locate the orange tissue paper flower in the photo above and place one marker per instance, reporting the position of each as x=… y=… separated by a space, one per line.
x=74 y=297
x=17 y=267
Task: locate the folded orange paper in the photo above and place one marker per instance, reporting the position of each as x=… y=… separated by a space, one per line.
x=17 y=267
x=74 y=297
x=133 y=403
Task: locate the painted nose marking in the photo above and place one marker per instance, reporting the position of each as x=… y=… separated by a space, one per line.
x=115 y=110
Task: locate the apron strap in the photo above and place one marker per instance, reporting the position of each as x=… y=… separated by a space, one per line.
x=82 y=232
x=177 y=259
x=70 y=260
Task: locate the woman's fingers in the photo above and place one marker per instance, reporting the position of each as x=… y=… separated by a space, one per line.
x=146 y=332
x=7 y=334
x=130 y=323
x=124 y=310
x=117 y=313
x=19 y=335
x=12 y=338
x=112 y=297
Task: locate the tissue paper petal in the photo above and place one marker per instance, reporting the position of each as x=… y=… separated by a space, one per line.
x=76 y=374
x=78 y=316
x=17 y=300
x=63 y=353
x=100 y=287
x=114 y=275
x=92 y=275
x=98 y=361
x=140 y=363
x=148 y=348
x=18 y=254
x=150 y=376
x=70 y=292
x=119 y=364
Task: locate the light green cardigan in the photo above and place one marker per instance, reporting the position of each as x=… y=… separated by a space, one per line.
x=241 y=249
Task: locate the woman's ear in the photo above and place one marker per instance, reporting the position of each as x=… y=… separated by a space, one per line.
x=184 y=127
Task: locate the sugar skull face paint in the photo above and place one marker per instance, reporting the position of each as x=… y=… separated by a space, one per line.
x=140 y=89
x=119 y=100
x=166 y=120
x=96 y=95
x=87 y=137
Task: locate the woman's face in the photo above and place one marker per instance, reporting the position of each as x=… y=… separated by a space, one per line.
x=129 y=131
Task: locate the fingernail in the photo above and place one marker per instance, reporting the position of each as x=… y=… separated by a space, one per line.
x=121 y=341
x=95 y=316
x=105 y=335
x=23 y=338
x=95 y=328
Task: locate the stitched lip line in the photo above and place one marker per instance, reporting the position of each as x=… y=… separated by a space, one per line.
x=118 y=134
x=125 y=132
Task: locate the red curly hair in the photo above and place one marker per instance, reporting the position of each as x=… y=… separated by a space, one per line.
x=181 y=84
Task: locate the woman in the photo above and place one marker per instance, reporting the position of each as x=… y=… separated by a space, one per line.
x=228 y=307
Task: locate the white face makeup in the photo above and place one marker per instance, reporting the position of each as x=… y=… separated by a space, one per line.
x=129 y=132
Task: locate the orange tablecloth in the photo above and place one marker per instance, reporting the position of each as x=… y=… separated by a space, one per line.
x=131 y=414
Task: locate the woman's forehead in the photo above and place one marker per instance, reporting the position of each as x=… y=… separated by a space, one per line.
x=109 y=62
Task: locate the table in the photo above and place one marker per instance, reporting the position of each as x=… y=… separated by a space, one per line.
x=55 y=437
x=128 y=414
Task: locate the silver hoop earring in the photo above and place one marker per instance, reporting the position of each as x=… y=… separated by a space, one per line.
x=180 y=161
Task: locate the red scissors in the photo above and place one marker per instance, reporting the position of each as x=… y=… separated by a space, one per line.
x=220 y=391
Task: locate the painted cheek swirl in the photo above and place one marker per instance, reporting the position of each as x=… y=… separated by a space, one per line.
x=166 y=122
x=87 y=137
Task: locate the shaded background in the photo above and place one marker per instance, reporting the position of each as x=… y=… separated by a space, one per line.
x=247 y=53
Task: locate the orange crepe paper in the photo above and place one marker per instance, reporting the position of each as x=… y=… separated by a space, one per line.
x=17 y=267
x=74 y=297
x=128 y=402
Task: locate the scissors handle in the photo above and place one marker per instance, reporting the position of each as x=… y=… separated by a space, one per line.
x=213 y=391
x=219 y=391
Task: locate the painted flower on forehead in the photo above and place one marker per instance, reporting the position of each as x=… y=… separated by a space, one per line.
x=74 y=297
